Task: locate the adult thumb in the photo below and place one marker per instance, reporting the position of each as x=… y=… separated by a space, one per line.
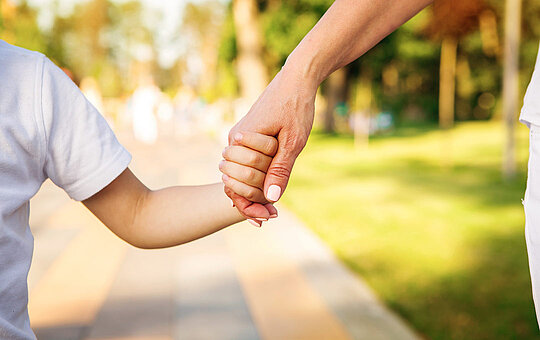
x=278 y=173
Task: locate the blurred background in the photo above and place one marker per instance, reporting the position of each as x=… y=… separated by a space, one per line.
x=414 y=172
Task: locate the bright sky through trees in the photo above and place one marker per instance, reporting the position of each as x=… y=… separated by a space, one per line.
x=163 y=18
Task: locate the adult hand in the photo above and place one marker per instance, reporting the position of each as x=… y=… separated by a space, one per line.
x=284 y=110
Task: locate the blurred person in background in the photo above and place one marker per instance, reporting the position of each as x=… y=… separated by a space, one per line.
x=143 y=104
x=184 y=105
x=347 y=30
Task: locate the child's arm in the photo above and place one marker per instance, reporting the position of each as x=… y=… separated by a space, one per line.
x=162 y=218
x=176 y=215
x=82 y=156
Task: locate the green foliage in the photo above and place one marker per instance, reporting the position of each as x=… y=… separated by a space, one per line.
x=227 y=48
x=23 y=30
x=227 y=82
x=416 y=60
x=410 y=51
x=441 y=245
x=284 y=24
x=283 y=34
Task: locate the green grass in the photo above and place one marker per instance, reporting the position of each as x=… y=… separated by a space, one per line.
x=428 y=221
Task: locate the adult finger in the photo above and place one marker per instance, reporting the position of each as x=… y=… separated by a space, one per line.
x=280 y=169
x=244 y=174
x=250 y=193
x=248 y=209
x=242 y=155
x=256 y=141
x=272 y=210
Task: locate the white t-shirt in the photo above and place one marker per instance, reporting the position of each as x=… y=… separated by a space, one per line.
x=530 y=113
x=47 y=130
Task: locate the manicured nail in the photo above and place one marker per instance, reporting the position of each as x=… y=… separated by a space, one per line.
x=261 y=219
x=273 y=193
x=254 y=223
x=273 y=216
x=224 y=178
x=238 y=137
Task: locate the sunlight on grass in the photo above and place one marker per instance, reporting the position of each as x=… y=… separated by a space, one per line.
x=428 y=221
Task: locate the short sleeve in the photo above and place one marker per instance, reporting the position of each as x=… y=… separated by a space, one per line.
x=82 y=152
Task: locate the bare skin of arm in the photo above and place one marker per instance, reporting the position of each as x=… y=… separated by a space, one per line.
x=285 y=108
x=171 y=216
x=346 y=31
x=162 y=218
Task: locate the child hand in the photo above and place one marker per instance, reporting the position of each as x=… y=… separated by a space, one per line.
x=245 y=165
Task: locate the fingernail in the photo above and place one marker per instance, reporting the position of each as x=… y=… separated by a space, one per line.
x=225 y=178
x=273 y=193
x=273 y=216
x=238 y=137
x=254 y=223
x=261 y=219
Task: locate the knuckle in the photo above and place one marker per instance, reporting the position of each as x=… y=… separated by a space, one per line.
x=294 y=142
x=254 y=159
x=281 y=171
x=290 y=142
x=297 y=143
x=231 y=135
x=250 y=175
x=272 y=146
x=251 y=194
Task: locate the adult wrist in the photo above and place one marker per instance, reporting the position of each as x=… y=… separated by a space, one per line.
x=304 y=70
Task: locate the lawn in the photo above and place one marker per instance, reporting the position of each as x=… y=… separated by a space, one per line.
x=427 y=220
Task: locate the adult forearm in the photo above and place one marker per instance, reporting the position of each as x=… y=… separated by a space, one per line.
x=177 y=215
x=345 y=32
x=286 y=107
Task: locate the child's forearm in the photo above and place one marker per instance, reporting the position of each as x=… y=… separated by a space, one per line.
x=177 y=215
x=161 y=218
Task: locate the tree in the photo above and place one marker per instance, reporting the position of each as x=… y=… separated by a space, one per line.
x=451 y=20
x=336 y=92
x=511 y=82
x=252 y=71
x=201 y=25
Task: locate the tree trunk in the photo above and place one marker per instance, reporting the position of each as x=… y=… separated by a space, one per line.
x=336 y=87
x=447 y=82
x=363 y=95
x=510 y=82
x=252 y=72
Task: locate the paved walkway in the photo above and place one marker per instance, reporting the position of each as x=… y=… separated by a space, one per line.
x=278 y=282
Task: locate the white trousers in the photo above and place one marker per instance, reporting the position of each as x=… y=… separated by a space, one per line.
x=531 y=203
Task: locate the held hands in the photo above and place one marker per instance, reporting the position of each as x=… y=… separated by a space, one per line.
x=244 y=170
x=284 y=110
